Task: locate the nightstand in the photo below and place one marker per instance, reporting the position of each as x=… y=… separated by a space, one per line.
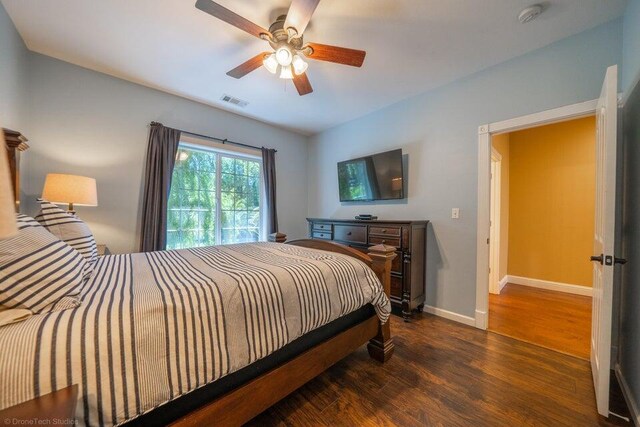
x=53 y=409
x=103 y=249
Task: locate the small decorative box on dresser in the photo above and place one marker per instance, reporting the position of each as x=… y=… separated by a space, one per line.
x=409 y=237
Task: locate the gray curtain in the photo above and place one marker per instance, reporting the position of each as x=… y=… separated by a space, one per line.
x=161 y=157
x=269 y=173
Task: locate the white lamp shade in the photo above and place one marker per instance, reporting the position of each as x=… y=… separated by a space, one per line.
x=8 y=227
x=284 y=56
x=270 y=63
x=285 y=72
x=299 y=65
x=64 y=189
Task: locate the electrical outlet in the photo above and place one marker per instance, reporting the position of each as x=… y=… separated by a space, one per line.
x=455 y=213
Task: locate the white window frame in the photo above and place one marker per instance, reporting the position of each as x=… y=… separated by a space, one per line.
x=242 y=153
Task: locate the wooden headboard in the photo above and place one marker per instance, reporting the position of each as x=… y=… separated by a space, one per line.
x=16 y=143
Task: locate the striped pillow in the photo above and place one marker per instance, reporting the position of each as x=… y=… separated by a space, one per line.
x=38 y=272
x=70 y=229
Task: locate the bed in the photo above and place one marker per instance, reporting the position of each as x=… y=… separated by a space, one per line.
x=188 y=336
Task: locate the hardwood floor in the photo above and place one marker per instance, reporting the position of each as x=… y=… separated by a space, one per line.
x=554 y=320
x=445 y=373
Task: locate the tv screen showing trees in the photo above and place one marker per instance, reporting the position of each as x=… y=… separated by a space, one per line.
x=375 y=177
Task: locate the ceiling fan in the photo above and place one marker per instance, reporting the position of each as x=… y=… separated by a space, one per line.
x=285 y=36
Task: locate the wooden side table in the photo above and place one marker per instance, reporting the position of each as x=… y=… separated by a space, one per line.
x=53 y=409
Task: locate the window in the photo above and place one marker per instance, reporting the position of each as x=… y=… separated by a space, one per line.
x=215 y=198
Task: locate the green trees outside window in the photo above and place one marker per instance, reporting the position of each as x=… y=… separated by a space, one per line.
x=214 y=199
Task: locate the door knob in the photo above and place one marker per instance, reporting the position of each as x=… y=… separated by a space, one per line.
x=599 y=258
x=622 y=261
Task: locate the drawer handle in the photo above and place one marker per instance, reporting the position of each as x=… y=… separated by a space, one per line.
x=384 y=241
x=384 y=230
x=349 y=234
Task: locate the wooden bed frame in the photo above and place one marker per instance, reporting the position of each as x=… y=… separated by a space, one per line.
x=247 y=401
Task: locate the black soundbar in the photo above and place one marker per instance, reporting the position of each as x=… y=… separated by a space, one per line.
x=366 y=217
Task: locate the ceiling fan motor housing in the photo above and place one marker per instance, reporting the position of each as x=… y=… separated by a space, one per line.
x=281 y=36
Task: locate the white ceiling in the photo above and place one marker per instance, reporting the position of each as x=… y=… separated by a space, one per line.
x=412 y=46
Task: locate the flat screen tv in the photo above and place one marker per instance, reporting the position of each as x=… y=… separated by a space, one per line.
x=375 y=177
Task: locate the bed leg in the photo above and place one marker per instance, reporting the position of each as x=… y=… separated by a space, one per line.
x=381 y=346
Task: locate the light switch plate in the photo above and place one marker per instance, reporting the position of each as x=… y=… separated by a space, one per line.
x=455 y=213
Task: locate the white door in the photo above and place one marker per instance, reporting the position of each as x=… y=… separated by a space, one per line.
x=603 y=260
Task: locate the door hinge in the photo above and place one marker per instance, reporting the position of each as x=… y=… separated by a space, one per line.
x=487 y=240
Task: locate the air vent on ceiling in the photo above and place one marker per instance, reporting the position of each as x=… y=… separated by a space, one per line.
x=234 y=101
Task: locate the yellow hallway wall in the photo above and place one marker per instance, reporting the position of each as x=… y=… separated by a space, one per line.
x=552 y=202
x=501 y=144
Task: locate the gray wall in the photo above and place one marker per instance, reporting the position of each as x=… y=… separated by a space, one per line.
x=438 y=130
x=631 y=45
x=629 y=341
x=13 y=74
x=87 y=123
x=629 y=332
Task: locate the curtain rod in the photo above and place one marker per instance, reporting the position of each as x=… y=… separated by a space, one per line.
x=213 y=138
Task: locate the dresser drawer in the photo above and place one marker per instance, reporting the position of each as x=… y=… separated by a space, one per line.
x=321 y=235
x=386 y=231
x=350 y=233
x=320 y=226
x=391 y=241
x=396 y=287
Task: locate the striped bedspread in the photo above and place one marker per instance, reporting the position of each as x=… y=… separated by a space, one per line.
x=154 y=326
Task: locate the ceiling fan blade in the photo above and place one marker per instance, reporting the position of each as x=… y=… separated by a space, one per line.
x=340 y=55
x=248 y=66
x=300 y=13
x=220 y=12
x=301 y=83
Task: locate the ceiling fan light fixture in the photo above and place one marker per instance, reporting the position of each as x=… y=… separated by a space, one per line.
x=299 y=65
x=271 y=63
x=284 y=56
x=285 y=72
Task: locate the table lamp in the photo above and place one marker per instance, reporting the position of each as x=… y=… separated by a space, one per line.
x=70 y=189
x=8 y=227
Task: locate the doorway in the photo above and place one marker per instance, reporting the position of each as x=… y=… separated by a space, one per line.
x=495 y=218
x=541 y=235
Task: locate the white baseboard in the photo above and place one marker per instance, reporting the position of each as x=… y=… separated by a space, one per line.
x=549 y=285
x=503 y=283
x=450 y=315
x=628 y=396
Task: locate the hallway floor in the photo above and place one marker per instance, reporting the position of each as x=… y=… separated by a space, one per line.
x=554 y=320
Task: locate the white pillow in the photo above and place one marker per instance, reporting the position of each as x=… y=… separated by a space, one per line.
x=38 y=271
x=70 y=229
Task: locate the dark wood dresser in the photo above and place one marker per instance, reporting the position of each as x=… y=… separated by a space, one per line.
x=409 y=237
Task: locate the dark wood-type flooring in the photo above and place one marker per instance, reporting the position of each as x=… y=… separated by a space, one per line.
x=445 y=373
x=555 y=320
